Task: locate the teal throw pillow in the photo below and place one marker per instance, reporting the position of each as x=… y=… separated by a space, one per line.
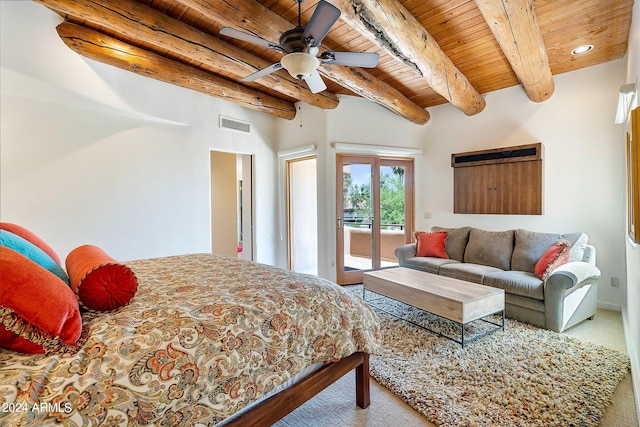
x=34 y=253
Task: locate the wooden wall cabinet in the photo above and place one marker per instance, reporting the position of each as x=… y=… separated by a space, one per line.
x=498 y=181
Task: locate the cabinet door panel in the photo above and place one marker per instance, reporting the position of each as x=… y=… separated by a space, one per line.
x=472 y=189
x=518 y=188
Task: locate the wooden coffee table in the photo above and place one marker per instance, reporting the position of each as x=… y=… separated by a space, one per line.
x=456 y=300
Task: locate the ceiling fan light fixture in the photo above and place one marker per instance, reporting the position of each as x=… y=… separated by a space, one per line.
x=299 y=64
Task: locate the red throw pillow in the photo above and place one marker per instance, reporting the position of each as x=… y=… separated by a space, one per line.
x=28 y=235
x=553 y=258
x=39 y=313
x=431 y=244
x=101 y=283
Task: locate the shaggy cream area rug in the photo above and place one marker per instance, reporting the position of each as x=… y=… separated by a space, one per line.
x=522 y=376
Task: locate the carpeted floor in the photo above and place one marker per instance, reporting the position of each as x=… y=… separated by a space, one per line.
x=461 y=390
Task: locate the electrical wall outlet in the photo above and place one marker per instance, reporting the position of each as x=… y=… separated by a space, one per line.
x=615 y=282
x=427 y=215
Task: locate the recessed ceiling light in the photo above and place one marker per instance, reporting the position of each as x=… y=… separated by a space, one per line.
x=582 y=49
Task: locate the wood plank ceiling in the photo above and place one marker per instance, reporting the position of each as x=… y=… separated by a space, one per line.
x=431 y=52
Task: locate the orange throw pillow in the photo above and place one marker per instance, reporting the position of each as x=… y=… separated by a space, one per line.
x=39 y=313
x=553 y=258
x=431 y=244
x=101 y=283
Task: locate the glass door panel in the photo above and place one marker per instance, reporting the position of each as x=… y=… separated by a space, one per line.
x=374 y=213
x=393 y=212
x=357 y=216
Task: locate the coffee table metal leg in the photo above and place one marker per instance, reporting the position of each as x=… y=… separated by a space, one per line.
x=462 y=341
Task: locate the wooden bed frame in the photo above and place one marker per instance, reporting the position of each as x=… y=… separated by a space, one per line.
x=279 y=405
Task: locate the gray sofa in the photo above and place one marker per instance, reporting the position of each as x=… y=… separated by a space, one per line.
x=506 y=260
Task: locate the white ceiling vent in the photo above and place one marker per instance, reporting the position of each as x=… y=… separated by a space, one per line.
x=235 y=125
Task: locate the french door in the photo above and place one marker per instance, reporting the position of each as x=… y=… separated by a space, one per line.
x=374 y=200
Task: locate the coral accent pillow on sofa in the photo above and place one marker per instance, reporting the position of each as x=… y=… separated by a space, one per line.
x=101 y=283
x=430 y=244
x=39 y=313
x=553 y=258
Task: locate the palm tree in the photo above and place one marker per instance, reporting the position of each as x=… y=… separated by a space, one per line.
x=398 y=170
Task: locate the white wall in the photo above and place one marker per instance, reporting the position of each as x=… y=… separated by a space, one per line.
x=93 y=154
x=309 y=128
x=631 y=311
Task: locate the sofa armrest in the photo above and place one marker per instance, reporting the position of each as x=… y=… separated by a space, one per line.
x=573 y=273
x=563 y=282
x=405 y=251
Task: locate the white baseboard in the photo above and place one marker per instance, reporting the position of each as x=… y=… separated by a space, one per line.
x=635 y=360
x=608 y=306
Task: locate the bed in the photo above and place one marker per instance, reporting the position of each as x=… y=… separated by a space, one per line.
x=205 y=337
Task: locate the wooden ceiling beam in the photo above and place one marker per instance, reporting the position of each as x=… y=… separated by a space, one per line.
x=136 y=21
x=515 y=26
x=253 y=17
x=111 y=51
x=390 y=25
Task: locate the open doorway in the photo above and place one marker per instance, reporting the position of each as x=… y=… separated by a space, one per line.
x=302 y=215
x=232 y=204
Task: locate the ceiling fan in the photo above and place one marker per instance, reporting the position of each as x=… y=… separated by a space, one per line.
x=301 y=45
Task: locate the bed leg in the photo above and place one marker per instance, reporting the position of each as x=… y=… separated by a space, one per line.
x=363 y=389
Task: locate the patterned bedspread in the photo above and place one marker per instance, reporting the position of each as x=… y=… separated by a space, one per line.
x=204 y=337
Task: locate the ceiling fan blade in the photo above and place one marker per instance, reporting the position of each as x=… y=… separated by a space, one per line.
x=321 y=21
x=249 y=38
x=261 y=73
x=352 y=59
x=315 y=82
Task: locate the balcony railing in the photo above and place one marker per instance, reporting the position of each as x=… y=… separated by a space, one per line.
x=369 y=224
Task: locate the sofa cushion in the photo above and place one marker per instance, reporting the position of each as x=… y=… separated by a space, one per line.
x=521 y=283
x=465 y=271
x=492 y=248
x=428 y=264
x=456 y=241
x=530 y=245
